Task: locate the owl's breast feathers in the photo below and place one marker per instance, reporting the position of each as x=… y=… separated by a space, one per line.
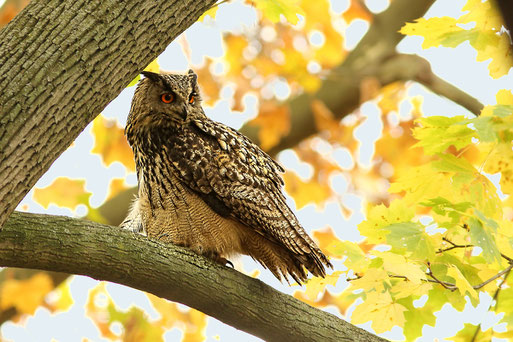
x=237 y=180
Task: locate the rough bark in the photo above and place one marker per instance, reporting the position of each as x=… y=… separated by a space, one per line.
x=372 y=57
x=108 y=253
x=61 y=63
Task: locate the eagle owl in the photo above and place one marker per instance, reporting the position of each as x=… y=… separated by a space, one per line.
x=205 y=186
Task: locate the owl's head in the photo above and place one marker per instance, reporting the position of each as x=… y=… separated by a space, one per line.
x=165 y=98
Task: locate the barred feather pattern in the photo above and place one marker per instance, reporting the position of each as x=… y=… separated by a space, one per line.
x=205 y=186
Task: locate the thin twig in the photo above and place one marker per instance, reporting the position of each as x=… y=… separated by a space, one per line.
x=496 y=299
x=507 y=270
x=453 y=246
x=510 y=260
x=448 y=286
x=426 y=280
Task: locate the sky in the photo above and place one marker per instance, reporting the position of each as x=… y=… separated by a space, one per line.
x=453 y=65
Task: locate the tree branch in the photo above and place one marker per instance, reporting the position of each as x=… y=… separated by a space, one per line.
x=375 y=57
x=506 y=8
x=61 y=63
x=103 y=252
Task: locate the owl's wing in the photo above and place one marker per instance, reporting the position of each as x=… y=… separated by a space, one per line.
x=240 y=180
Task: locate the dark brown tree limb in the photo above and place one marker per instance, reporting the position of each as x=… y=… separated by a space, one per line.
x=506 y=8
x=57 y=243
x=403 y=67
x=375 y=57
x=61 y=63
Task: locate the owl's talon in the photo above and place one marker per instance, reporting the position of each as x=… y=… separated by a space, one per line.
x=224 y=262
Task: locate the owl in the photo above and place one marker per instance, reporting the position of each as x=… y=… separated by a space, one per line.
x=205 y=186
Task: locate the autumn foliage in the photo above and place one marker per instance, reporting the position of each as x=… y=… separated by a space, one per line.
x=437 y=190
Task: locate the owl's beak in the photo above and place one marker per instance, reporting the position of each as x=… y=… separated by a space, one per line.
x=184 y=113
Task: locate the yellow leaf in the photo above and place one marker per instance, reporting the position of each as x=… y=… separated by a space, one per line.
x=341 y=301
x=484 y=14
x=432 y=29
x=195 y=331
x=316 y=285
x=504 y=97
x=208 y=84
x=380 y=216
x=211 y=12
x=96 y=309
x=65 y=300
x=111 y=144
x=305 y=192
x=355 y=260
x=381 y=309
x=372 y=279
x=25 y=295
x=398 y=265
x=501 y=54
x=192 y=322
x=405 y=289
x=273 y=9
x=461 y=282
x=274 y=122
x=324 y=118
x=235 y=46
x=116 y=186
x=434 y=184
x=63 y=192
x=500 y=159
x=153 y=67
x=356 y=11
x=331 y=52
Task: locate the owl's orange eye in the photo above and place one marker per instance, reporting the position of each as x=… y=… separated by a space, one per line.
x=167 y=98
x=191 y=100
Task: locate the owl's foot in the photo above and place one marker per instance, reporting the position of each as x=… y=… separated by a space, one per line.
x=220 y=260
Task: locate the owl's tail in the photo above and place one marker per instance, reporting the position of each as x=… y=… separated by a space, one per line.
x=284 y=263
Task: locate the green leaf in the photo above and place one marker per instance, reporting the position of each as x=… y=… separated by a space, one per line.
x=481 y=235
x=380 y=216
x=273 y=9
x=450 y=163
x=453 y=39
x=442 y=206
x=504 y=304
x=439 y=133
x=416 y=318
x=410 y=236
x=485 y=128
x=503 y=111
x=355 y=258
x=134 y=81
x=439 y=296
x=468 y=333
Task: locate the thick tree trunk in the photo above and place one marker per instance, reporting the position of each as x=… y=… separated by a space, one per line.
x=61 y=63
x=108 y=253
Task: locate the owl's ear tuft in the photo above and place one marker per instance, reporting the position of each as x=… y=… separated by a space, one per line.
x=151 y=75
x=193 y=77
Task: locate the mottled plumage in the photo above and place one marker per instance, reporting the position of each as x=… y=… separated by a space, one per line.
x=205 y=186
